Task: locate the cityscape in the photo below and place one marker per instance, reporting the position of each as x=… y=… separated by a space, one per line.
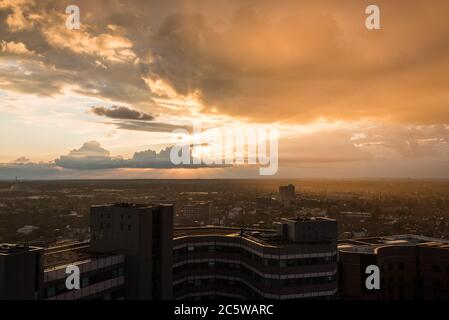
x=185 y=153
x=232 y=239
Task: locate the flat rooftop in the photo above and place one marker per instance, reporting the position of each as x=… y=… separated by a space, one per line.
x=7 y=248
x=59 y=256
x=131 y=205
x=263 y=237
x=253 y=234
x=369 y=245
x=309 y=219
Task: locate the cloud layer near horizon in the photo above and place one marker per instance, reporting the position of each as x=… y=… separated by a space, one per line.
x=92 y=156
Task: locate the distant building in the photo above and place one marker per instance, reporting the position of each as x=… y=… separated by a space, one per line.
x=362 y=233
x=198 y=210
x=351 y=214
x=263 y=202
x=287 y=194
x=235 y=212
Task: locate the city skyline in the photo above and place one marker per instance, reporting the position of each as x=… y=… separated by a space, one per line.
x=102 y=101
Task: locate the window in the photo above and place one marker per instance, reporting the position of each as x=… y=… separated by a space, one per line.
x=84 y=282
x=50 y=292
x=61 y=287
x=129 y=227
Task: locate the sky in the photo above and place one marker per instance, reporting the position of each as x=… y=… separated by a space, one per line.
x=103 y=101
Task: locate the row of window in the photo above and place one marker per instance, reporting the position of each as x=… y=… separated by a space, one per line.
x=243 y=271
x=108 y=226
x=85 y=281
x=109 y=216
x=184 y=252
x=401 y=266
x=216 y=283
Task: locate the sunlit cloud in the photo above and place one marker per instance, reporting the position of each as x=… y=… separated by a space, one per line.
x=343 y=98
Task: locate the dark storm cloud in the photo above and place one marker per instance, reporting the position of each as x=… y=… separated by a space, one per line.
x=121 y=112
x=150 y=126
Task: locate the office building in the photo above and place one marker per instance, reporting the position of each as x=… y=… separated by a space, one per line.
x=102 y=275
x=20 y=272
x=144 y=234
x=129 y=256
x=287 y=195
x=411 y=267
x=296 y=261
x=135 y=254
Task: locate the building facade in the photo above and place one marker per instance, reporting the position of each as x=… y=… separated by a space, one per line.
x=134 y=253
x=129 y=256
x=144 y=234
x=411 y=267
x=290 y=263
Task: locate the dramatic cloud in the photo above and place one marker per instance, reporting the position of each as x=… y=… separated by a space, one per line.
x=90 y=156
x=290 y=62
x=15 y=48
x=120 y=112
x=293 y=61
x=17 y=20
